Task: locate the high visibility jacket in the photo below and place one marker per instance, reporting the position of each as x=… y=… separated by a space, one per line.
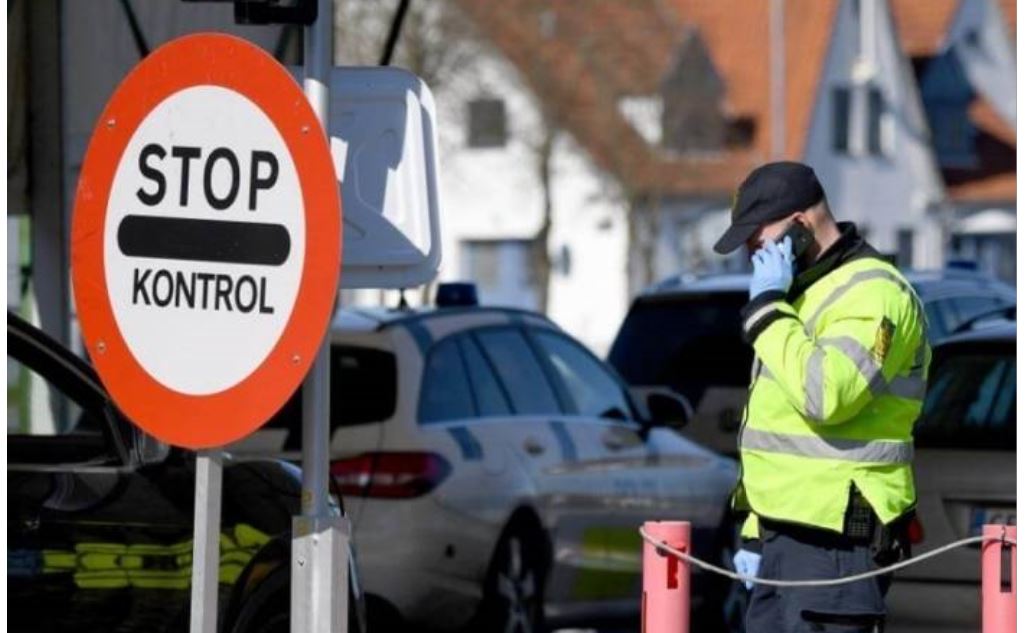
x=839 y=378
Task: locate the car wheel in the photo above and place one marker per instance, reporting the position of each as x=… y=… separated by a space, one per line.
x=513 y=595
x=268 y=609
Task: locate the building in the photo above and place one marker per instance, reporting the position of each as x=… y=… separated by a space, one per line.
x=605 y=139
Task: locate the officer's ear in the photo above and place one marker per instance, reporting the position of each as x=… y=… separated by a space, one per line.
x=805 y=219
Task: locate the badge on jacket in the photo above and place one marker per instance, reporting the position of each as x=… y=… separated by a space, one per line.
x=884 y=337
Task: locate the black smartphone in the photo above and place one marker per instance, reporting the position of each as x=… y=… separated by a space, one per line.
x=800 y=238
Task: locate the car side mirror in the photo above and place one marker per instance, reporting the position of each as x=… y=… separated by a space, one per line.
x=149 y=449
x=665 y=407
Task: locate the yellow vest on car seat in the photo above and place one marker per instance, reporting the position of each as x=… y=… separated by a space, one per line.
x=838 y=383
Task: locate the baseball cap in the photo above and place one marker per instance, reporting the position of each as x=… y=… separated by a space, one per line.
x=769 y=193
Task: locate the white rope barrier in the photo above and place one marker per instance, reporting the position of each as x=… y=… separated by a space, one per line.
x=715 y=569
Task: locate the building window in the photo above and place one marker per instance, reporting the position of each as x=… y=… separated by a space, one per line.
x=876 y=124
x=953 y=135
x=875 y=128
x=841 y=119
x=502 y=271
x=947 y=95
x=487 y=123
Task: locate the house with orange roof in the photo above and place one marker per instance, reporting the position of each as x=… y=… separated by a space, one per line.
x=606 y=138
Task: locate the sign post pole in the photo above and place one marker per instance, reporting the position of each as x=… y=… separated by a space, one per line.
x=320 y=566
x=207 y=515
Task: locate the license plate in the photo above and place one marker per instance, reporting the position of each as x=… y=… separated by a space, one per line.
x=982 y=516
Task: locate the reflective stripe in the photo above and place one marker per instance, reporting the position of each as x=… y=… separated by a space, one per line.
x=857 y=278
x=754 y=318
x=868 y=275
x=862 y=358
x=756 y=368
x=471 y=449
x=419 y=332
x=565 y=442
x=765 y=372
x=911 y=387
x=861 y=451
x=814 y=384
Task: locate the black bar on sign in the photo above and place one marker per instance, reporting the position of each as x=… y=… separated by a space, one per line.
x=204 y=240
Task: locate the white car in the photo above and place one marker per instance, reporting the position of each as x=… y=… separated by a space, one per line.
x=496 y=472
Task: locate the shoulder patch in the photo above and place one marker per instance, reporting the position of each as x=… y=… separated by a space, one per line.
x=884 y=338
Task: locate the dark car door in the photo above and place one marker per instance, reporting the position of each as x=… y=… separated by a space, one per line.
x=92 y=544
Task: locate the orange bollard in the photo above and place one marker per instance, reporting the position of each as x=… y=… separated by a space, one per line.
x=665 y=606
x=999 y=589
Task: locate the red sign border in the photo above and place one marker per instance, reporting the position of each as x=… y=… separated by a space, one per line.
x=204 y=421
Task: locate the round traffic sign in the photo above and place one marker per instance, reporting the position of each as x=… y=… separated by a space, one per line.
x=206 y=240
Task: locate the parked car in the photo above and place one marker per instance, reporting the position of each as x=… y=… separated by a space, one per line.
x=100 y=515
x=965 y=467
x=684 y=333
x=497 y=472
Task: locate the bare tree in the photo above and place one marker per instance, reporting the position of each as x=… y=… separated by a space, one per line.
x=540 y=253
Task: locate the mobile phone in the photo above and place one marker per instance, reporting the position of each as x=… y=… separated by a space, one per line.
x=800 y=238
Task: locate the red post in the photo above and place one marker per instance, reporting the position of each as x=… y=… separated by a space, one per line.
x=999 y=587
x=665 y=606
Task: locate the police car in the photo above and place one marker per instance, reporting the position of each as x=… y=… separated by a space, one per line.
x=496 y=472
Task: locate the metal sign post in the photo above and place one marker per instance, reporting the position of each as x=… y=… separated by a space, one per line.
x=207 y=518
x=320 y=566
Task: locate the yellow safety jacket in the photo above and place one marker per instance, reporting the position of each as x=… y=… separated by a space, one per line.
x=839 y=378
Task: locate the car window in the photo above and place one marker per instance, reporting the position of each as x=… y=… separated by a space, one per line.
x=445 y=386
x=967 y=308
x=946 y=314
x=970 y=403
x=593 y=391
x=47 y=426
x=522 y=377
x=489 y=397
x=363 y=383
x=689 y=342
x=935 y=316
x=362 y=389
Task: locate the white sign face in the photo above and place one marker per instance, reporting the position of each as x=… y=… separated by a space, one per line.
x=204 y=240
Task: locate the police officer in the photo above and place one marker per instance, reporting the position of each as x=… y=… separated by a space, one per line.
x=841 y=360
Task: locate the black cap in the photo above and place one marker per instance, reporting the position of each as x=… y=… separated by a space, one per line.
x=769 y=193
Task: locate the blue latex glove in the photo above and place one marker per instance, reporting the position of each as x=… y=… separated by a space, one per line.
x=774 y=268
x=746 y=563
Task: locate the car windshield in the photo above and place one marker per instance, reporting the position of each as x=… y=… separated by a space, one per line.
x=700 y=345
x=971 y=402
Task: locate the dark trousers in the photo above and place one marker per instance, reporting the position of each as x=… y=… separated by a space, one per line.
x=793 y=553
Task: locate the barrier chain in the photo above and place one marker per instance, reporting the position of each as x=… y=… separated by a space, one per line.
x=687 y=558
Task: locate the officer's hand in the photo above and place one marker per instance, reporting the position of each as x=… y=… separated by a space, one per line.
x=746 y=563
x=773 y=268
